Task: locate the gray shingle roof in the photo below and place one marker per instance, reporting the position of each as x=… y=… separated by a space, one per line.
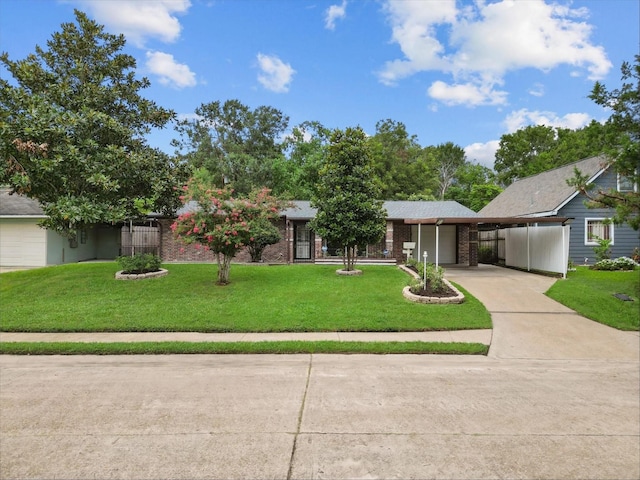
x=396 y=210
x=544 y=193
x=18 y=205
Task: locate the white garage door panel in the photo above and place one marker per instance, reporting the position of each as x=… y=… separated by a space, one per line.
x=22 y=244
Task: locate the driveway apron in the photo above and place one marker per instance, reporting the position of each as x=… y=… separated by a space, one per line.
x=528 y=324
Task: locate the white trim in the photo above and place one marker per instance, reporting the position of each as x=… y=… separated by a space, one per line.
x=633 y=190
x=577 y=192
x=593 y=243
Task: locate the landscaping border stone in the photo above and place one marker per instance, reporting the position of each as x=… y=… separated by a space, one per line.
x=406 y=292
x=141 y=276
x=348 y=272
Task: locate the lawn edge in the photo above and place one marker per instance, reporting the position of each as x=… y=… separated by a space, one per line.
x=266 y=347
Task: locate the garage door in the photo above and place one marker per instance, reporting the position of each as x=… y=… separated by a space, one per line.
x=22 y=243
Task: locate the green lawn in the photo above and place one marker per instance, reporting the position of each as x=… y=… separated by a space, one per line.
x=86 y=297
x=590 y=293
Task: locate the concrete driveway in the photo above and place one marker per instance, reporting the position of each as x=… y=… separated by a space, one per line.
x=528 y=324
x=526 y=411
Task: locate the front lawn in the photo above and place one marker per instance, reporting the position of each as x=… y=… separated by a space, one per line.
x=296 y=298
x=590 y=293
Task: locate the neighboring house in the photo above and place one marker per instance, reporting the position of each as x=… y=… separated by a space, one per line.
x=547 y=195
x=23 y=243
x=407 y=221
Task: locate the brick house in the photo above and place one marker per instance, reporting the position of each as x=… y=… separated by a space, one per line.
x=443 y=226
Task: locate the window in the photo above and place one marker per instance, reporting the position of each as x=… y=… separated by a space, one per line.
x=597 y=229
x=626 y=184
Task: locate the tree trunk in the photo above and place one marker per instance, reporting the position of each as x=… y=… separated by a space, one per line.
x=224 y=265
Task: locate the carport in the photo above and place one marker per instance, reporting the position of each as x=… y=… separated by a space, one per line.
x=531 y=243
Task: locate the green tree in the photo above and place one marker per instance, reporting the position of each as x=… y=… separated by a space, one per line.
x=350 y=213
x=239 y=146
x=306 y=147
x=394 y=154
x=73 y=127
x=473 y=186
x=622 y=147
x=521 y=154
x=263 y=234
x=223 y=223
x=448 y=158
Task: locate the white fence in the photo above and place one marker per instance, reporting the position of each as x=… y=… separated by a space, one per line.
x=538 y=248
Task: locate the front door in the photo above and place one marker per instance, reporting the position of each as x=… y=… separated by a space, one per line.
x=303 y=242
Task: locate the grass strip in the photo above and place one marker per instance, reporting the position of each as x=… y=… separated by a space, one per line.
x=591 y=294
x=282 y=347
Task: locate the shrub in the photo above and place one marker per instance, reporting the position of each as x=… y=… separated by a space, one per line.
x=620 y=263
x=602 y=251
x=140 y=263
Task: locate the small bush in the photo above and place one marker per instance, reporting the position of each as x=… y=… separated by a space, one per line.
x=620 y=263
x=603 y=250
x=140 y=263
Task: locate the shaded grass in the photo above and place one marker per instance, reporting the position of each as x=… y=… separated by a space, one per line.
x=294 y=298
x=280 y=347
x=590 y=293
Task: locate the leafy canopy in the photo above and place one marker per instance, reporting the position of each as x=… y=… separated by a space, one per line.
x=622 y=147
x=222 y=223
x=72 y=131
x=350 y=213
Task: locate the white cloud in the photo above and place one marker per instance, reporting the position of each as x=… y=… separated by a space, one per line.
x=478 y=44
x=172 y=73
x=333 y=13
x=466 y=94
x=482 y=153
x=139 y=20
x=275 y=74
x=537 y=90
x=524 y=117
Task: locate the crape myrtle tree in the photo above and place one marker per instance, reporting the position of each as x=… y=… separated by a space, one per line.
x=72 y=131
x=349 y=212
x=223 y=223
x=623 y=147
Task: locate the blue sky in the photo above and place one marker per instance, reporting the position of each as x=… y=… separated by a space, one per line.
x=460 y=71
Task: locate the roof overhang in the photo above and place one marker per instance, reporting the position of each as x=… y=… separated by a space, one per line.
x=499 y=221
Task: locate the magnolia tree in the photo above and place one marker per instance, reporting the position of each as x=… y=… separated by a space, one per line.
x=222 y=223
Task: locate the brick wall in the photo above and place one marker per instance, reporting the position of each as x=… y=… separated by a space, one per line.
x=172 y=250
x=401 y=233
x=463 y=245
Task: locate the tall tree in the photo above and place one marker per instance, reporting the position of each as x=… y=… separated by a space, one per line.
x=350 y=213
x=73 y=126
x=623 y=147
x=519 y=153
x=448 y=158
x=394 y=153
x=306 y=147
x=473 y=186
x=236 y=144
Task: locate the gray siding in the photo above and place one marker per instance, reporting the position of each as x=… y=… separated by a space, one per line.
x=625 y=238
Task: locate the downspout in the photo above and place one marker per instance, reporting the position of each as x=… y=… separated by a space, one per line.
x=419 y=240
x=437 y=243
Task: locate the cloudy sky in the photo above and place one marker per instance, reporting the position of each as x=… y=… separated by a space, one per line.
x=460 y=71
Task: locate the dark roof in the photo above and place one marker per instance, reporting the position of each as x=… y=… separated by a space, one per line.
x=542 y=194
x=18 y=205
x=396 y=210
